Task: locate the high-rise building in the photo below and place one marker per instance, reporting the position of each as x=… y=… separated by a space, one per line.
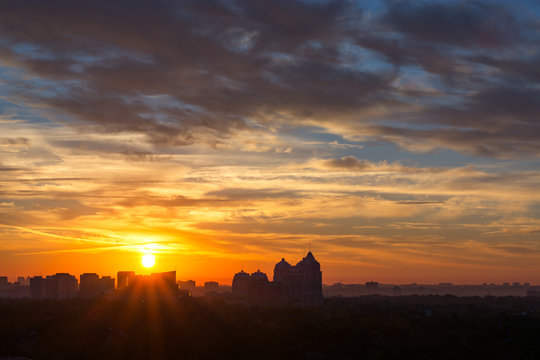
x=4 y=283
x=92 y=285
x=66 y=286
x=240 y=284
x=165 y=279
x=59 y=286
x=258 y=288
x=123 y=278
x=106 y=285
x=187 y=285
x=89 y=285
x=37 y=287
x=211 y=286
x=299 y=284
x=155 y=286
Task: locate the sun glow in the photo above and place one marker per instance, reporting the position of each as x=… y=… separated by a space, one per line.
x=148 y=260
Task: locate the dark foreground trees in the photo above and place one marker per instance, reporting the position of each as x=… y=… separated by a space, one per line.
x=422 y=327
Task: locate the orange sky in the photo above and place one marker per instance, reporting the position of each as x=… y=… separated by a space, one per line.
x=99 y=213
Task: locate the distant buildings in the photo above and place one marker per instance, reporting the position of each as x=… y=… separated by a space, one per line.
x=300 y=284
x=22 y=281
x=142 y=286
x=59 y=287
x=4 y=283
x=211 y=286
x=91 y=285
x=65 y=286
x=189 y=285
x=123 y=278
x=240 y=284
x=372 y=285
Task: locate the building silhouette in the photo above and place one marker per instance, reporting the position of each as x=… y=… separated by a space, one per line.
x=37 y=287
x=4 y=283
x=59 y=286
x=187 y=285
x=23 y=281
x=154 y=286
x=123 y=278
x=299 y=284
x=91 y=285
x=240 y=284
x=211 y=286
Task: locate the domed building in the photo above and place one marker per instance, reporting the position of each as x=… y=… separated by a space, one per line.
x=281 y=270
x=240 y=284
x=311 y=283
x=300 y=284
x=258 y=288
x=259 y=276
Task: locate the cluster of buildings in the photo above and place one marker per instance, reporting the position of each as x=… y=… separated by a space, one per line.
x=61 y=286
x=155 y=284
x=300 y=284
x=21 y=281
x=90 y=285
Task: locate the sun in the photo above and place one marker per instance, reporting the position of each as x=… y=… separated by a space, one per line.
x=148 y=260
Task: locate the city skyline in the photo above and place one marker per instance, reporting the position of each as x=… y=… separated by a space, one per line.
x=397 y=140
x=298 y=285
x=122 y=275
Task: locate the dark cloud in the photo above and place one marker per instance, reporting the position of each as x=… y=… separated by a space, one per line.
x=469 y=24
x=435 y=35
x=420 y=202
x=518 y=250
x=284 y=24
x=253 y=194
x=185 y=72
x=524 y=68
x=65 y=209
x=14 y=141
x=347 y=162
x=352 y=163
x=219 y=198
x=48 y=180
x=132 y=153
x=498 y=121
x=10 y=168
x=220 y=62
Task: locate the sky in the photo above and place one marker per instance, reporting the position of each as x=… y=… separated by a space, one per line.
x=398 y=140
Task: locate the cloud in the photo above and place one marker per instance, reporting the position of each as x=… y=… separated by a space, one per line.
x=240 y=66
x=467 y=24
x=347 y=162
x=351 y=163
x=10 y=168
x=19 y=141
